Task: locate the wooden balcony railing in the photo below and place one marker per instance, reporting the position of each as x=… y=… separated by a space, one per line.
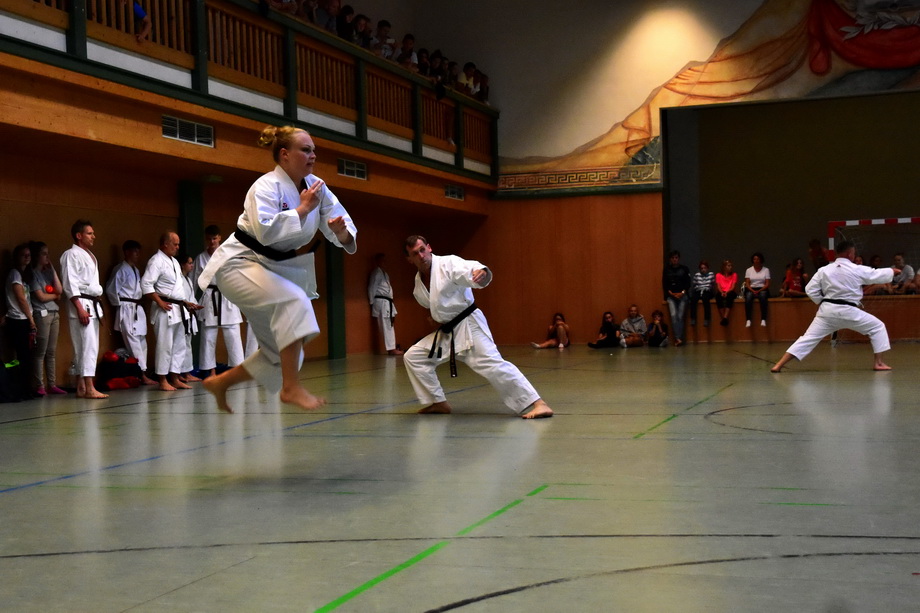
x=249 y=50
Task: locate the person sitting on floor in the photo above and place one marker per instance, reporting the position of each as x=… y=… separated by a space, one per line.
x=608 y=335
x=633 y=329
x=657 y=335
x=557 y=334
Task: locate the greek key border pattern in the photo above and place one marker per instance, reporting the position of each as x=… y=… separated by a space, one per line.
x=591 y=177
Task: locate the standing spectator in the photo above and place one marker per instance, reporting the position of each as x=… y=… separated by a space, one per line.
x=217 y=313
x=676 y=283
x=46 y=292
x=291 y=7
x=363 y=34
x=483 y=94
x=382 y=44
x=80 y=281
x=633 y=329
x=465 y=79
x=19 y=321
x=124 y=293
x=756 y=287
x=163 y=284
x=406 y=56
x=308 y=11
x=424 y=63
x=380 y=295
x=726 y=282
x=326 y=14
x=557 y=334
x=796 y=278
x=701 y=291
x=345 y=23
x=609 y=333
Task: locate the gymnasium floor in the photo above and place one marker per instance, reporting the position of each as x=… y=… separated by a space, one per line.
x=685 y=479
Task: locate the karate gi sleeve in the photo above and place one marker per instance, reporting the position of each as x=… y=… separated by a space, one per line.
x=329 y=209
x=271 y=224
x=70 y=275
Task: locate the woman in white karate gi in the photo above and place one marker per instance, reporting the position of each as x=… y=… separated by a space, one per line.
x=257 y=268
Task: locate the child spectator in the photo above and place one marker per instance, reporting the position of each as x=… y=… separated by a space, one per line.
x=701 y=290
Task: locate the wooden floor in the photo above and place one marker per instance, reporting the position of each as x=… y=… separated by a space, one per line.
x=682 y=479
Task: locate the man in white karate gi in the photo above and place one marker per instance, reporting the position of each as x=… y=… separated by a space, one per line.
x=838 y=289
x=444 y=286
x=380 y=295
x=124 y=293
x=80 y=281
x=217 y=313
x=163 y=283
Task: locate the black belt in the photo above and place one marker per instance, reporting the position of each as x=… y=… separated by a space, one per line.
x=216 y=302
x=449 y=328
x=181 y=303
x=97 y=302
x=136 y=301
x=843 y=302
x=388 y=299
x=269 y=252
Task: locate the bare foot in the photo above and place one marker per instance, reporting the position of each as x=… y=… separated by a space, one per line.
x=300 y=397
x=191 y=379
x=776 y=369
x=179 y=385
x=882 y=366
x=216 y=386
x=164 y=386
x=394 y=352
x=540 y=410
x=147 y=380
x=94 y=394
x=437 y=407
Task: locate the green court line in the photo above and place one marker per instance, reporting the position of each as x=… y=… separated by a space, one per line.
x=692 y=406
x=421 y=556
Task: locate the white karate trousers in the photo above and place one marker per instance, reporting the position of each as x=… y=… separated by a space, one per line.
x=833 y=317
x=85 y=341
x=483 y=358
x=207 y=346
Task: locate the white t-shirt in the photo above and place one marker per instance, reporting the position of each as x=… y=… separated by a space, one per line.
x=758 y=279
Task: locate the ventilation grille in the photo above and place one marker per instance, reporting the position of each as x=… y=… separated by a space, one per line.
x=188 y=131
x=356 y=170
x=454 y=192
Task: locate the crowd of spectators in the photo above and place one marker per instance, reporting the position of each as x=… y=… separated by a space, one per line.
x=359 y=29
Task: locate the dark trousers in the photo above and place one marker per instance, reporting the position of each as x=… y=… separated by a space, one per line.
x=705 y=296
x=750 y=297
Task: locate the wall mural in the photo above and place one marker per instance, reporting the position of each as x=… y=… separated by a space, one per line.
x=786 y=49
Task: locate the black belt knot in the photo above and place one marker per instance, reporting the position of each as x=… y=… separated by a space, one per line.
x=448 y=328
x=269 y=252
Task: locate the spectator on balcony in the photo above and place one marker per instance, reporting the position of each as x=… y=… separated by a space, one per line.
x=424 y=64
x=308 y=10
x=326 y=14
x=345 y=23
x=382 y=43
x=291 y=7
x=453 y=73
x=437 y=71
x=407 y=57
x=142 y=23
x=481 y=81
x=465 y=79
x=363 y=34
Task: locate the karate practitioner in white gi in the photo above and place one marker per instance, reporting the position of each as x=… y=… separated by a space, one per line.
x=217 y=313
x=838 y=289
x=124 y=293
x=80 y=281
x=169 y=311
x=187 y=265
x=444 y=286
x=257 y=267
x=380 y=295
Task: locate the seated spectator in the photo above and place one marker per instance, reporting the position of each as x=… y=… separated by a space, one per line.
x=901 y=281
x=326 y=14
x=382 y=44
x=557 y=334
x=406 y=56
x=608 y=335
x=756 y=287
x=795 y=281
x=701 y=291
x=657 y=335
x=345 y=23
x=633 y=329
x=726 y=282
x=20 y=325
x=877 y=289
x=142 y=23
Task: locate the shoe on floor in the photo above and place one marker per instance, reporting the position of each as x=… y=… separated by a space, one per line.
x=763 y=323
x=535 y=345
x=40 y=391
x=748 y=324
x=54 y=389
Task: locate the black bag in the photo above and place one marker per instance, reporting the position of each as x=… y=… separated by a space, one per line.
x=12 y=383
